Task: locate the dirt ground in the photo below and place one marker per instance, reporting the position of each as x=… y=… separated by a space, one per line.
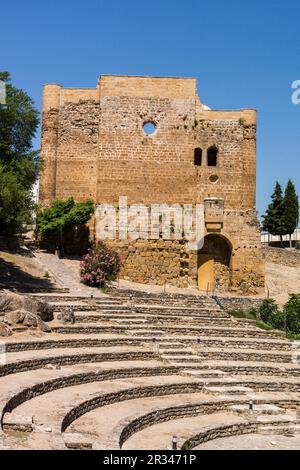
x=281 y=281
x=22 y=272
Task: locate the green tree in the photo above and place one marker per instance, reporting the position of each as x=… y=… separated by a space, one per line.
x=62 y=218
x=291 y=210
x=16 y=203
x=273 y=220
x=19 y=164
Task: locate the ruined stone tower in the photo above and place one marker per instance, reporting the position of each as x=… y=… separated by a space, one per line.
x=94 y=145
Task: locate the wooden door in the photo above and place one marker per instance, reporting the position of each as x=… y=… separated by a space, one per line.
x=205 y=272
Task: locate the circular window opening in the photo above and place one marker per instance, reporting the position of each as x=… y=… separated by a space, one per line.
x=214 y=178
x=149 y=128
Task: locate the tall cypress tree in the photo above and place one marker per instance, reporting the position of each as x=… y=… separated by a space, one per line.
x=291 y=210
x=274 y=218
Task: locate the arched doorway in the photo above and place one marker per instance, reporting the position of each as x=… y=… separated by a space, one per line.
x=214 y=264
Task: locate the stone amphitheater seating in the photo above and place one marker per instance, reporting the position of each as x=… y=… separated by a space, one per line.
x=135 y=369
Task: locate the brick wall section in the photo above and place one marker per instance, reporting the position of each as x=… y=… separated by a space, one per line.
x=94 y=146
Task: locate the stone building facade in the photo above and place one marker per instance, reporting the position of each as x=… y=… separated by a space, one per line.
x=95 y=145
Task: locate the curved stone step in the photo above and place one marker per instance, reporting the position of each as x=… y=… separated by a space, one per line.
x=203 y=330
x=148 y=341
x=51 y=409
x=230 y=390
x=255 y=368
x=69 y=359
x=60 y=341
x=245 y=355
x=154 y=420
x=213 y=432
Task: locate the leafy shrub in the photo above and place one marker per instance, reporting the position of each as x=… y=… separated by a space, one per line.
x=99 y=266
x=263 y=326
x=293 y=337
x=291 y=311
x=268 y=308
x=62 y=220
x=271 y=317
x=239 y=313
x=270 y=314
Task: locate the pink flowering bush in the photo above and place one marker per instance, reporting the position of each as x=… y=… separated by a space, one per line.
x=99 y=266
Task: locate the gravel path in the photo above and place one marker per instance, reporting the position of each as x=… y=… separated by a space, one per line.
x=66 y=273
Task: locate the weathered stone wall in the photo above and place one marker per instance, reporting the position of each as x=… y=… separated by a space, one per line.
x=282 y=256
x=238 y=303
x=94 y=146
x=155 y=262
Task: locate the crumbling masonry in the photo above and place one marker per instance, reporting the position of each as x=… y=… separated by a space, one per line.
x=94 y=145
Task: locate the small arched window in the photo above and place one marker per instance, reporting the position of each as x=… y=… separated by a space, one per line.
x=198 y=157
x=212 y=156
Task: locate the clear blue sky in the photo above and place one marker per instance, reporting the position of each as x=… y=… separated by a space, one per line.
x=244 y=54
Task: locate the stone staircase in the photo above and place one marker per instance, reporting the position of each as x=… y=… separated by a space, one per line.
x=136 y=368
